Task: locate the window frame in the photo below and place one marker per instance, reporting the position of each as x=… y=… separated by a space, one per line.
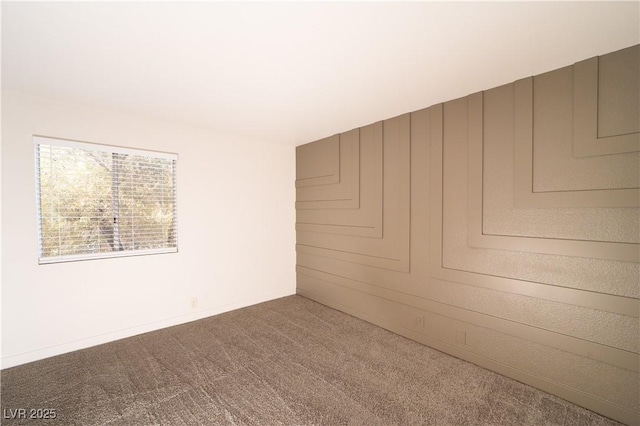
x=111 y=149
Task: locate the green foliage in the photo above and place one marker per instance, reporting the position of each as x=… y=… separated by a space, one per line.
x=92 y=202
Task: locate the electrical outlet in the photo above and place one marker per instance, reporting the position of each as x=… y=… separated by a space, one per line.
x=194 y=302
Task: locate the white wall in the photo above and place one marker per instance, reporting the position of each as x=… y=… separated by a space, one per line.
x=235 y=234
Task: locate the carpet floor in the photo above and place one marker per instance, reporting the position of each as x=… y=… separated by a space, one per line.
x=289 y=361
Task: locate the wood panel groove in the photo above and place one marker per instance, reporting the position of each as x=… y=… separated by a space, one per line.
x=474 y=239
x=315 y=215
x=587 y=140
x=344 y=194
x=620 y=305
x=618 y=357
x=595 y=403
x=479 y=238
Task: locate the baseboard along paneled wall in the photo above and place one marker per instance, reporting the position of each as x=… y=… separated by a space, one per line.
x=502 y=228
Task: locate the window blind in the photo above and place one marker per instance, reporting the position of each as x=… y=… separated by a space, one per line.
x=97 y=201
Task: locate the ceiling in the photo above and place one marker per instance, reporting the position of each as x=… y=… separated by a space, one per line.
x=294 y=72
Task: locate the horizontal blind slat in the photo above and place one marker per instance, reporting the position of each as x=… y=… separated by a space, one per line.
x=76 y=209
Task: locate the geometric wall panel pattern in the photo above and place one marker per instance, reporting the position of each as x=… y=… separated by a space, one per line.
x=502 y=228
x=375 y=230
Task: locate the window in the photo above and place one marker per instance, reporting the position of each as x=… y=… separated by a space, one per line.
x=97 y=201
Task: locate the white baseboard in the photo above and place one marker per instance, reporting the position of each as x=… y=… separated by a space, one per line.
x=23 y=358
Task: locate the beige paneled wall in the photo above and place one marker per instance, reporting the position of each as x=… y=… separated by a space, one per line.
x=502 y=228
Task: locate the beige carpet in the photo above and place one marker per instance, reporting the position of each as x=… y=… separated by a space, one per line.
x=290 y=361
